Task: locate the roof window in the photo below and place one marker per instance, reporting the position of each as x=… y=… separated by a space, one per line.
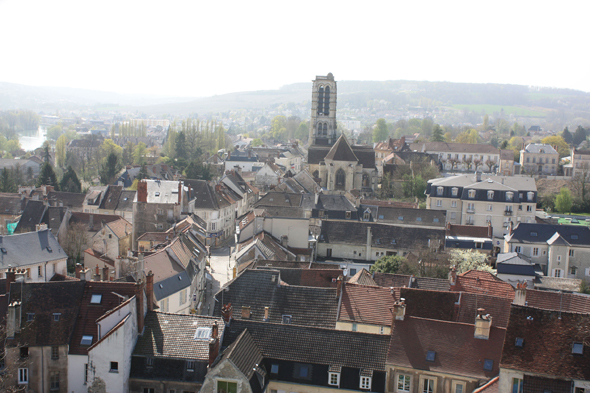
x=86 y=340
x=96 y=298
x=3 y=250
x=400 y=218
x=534 y=234
x=519 y=342
x=574 y=237
x=157 y=193
x=203 y=333
x=49 y=249
x=488 y=364
x=430 y=356
x=578 y=348
x=418 y=218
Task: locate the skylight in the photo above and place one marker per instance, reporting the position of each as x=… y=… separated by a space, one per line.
x=86 y=340
x=488 y=364
x=578 y=348
x=401 y=218
x=96 y=298
x=534 y=234
x=519 y=342
x=203 y=333
x=574 y=237
x=430 y=355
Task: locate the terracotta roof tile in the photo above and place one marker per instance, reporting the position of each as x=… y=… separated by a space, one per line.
x=366 y=304
x=551 y=300
x=483 y=282
x=363 y=277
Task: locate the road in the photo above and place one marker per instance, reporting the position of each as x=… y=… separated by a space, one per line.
x=221 y=271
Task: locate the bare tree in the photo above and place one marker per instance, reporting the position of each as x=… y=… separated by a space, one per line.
x=581 y=183
x=76 y=241
x=9 y=370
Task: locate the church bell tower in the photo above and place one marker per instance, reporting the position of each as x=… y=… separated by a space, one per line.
x=322 y=130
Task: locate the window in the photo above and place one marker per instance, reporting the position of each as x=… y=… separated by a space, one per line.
x=428 y=386
x=471 y=207
x=302 y=371
x=459 y=388
x=529 y=208
x=418 y=218
x=334 y=379
x=340 y=179
x=365 y=383
x=159 y=211
x=190 y=365
x=490 y=195
x=354 y=327
x=439 y=203
x=578 y=348
x=56 y=316
x=519 y=342
x=517 y=249
x=490 y=207
x=471 y=194
x=509 y=196
x=114 y=367
x=86 y=340
x=274 y=369
x=54 y=380
x=382 y=330
x=574 y=237
x=39 y=271
x=85 y=373
x=557 y=273
x=453 y=203
x=400 y=218
x=478 y=245
x=164 y=303
x=30 y=316
x=488 y=219
x=453 y=215
x=454 y=191
x=24 y=352
x=559 y=258
x=286 y=319
x=535 y=251
x=439 y=191
x=516 y=385
x=202 y=333
x=23 y=376
x=571 y=253
x=96 y=298
x=55 y=352
x=430 y=356
x=573 y=270
x=348 y=215
x=149 y=362
x=488 y=364
x=403 y=383
x=227 y=387
x=183 y=295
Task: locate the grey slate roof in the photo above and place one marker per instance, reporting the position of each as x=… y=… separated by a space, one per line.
x=126 y=200
x=67 y=199
x=11 y=204
x=29 y=248
x=172 y=284
x=576 y=235
x=537 y=147
x=314 y=345
x=392 y=215
x=244 y=354
x=341 y=151
x=172 y=336
x=202 y=193
x=32 y=215
x=280 y=199
x=256 y=289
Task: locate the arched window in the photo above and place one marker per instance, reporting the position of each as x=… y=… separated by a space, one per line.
x=327 y=101
x=340 y=179
x=325 y=129
x=320 y=100
x=366 y=180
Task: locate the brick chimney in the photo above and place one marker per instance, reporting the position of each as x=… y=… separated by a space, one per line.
x=10 y=278
x=105 y=273
x=97 y=273
x=139 y=290
x=78 y=270
x=246 y=313
x=453 y=276
x=483 y=324
x=142 y=191
x=226 y=313
x=149 y=290
x=179 y=192
x=266 y=313
x=399 y=309
x=213 y=344
x=520 y=294
x=339 y=284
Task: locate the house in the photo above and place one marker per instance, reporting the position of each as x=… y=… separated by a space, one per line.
x=85 y=149
x=37 y=255
x=158 y=205
x=247 y=194
x=174 y=352
x=12 y=206
x=114 y=239
x=245 y=160
x=305 y=358
x=428 y=355
x=368 y=309
x=470 y=237
x=481 y=200
x=580 y=163
x=477 y=281
x=263 y=246
x=515 y=268
x=545 y=351
x=507 y=165
x=216 y=165
x=23 y=165
x=462 y=156
x=71 y=200
x=400 y=216
x=562 y=251
x=268 y=176
x=93 y=198
x=539 y=159
x=302 y=182
x=384 y=149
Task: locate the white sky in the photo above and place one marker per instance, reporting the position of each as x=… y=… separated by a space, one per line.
x=207 y=47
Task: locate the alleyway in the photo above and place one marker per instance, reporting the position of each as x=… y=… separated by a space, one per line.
x=221 y=272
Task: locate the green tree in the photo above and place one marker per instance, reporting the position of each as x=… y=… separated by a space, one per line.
x=196 y=170
x=256 y=142
x=465 y=260
x=142 y=173
x=47 y=176
x=563 y=200
x=60 y=150
x=567 y=136
x=437 y=134
x=7 y=183
x=388 y=264
x=579 y=135
x=468 y=136
x=69 y=182
x=55 y=132
x=180 y=146
x=302 y=132
x=139 y=153
x=562 y=147
x=414 y=186
x=380 y=132
x=110 y=168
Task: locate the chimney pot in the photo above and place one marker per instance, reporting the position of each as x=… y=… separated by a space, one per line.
x=266 y=309
x=226 y=313
x=149 y=290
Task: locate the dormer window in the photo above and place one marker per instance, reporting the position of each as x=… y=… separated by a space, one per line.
x=519 y=342
x=430 y=356
x=366 y=215
x=578 y=348
x=490 y=195
x=509 y=196
x=86 y=340
x=471 y=194
x=203 y=333
x=96 y=298
x=530 y=196
x=488 y=364
x=440 y=191
x=455 y=191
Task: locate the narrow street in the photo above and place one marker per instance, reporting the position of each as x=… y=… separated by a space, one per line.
x=221 y=271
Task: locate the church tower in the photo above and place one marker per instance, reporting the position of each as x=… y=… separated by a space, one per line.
x=322 y=129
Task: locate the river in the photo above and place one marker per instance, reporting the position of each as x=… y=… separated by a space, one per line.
x=30 y=140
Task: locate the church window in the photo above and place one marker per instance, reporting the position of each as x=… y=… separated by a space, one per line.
x=340 y=179
x=321 y=100
x=366 y=180
x=325 y=133
x=327 y=101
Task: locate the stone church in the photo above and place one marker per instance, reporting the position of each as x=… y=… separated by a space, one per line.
x=340 y=165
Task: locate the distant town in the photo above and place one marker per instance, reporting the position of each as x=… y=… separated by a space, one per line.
x=383 y=240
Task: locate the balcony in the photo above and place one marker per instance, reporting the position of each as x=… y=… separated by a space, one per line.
x=507 y=212
x=469 y=223
x=470 y=210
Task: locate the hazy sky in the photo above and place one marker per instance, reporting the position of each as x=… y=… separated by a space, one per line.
x=207 y=47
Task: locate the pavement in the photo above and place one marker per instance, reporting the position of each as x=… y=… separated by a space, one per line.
x=221 y=269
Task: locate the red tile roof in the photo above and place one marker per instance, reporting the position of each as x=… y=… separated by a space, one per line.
x=548 y=341
x=366 y=304
x=550 y=300
x=469 y=231
x=458 y=352
x=497 y=307
x=492 y=386
x=484 y=283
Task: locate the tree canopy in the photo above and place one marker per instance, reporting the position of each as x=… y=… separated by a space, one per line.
x=70 y=182
x=47 y=176
x=563 y=200
x=380 y=132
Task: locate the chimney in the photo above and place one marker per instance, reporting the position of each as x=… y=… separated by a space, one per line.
x=339 y=283
x=284 y=241
x=213 y=345
x=228 y=154
x=218 y=188
x=483 y=324
x=97 y=273
x=453 y=276
x=78 y=270
x=149 y=290
x=91 y=222
x=13 y=319
x=510 y=227
x=478 y=176
x=10 y=278
x=246 y=313
x=105 y=273
x=249 y=153
x=317 y=198
x=139 y=290
x=226 y=313
x=179 y=192
x=266 y=310
x=520 y=294
x=399 y=309
x=142 y=191
x=84 y=274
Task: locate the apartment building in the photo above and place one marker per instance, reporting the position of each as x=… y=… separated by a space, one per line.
x=539 y=159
